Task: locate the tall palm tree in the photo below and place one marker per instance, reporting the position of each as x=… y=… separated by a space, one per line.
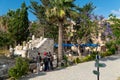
x=56 y=12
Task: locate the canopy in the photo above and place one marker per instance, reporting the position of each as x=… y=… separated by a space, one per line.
x=64 y=45
x=82 y=45
x=89 y=45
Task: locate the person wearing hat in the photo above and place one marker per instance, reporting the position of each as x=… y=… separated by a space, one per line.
x=45 y=61
x=38 y=59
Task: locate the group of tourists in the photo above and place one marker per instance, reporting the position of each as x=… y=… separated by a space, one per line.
x=46 y=62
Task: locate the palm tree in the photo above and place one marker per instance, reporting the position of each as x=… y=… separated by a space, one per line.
x=56 y=12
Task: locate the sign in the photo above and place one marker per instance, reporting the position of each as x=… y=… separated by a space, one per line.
x=96 y=72
x=100 y=64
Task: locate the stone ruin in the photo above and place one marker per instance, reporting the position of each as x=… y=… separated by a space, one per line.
x=31 y=48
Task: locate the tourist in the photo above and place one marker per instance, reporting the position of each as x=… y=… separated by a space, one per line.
x=45 y=61
x=50 y=61
x=38 y=59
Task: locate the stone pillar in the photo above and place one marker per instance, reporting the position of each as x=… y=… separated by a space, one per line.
x=11 y=50
x=33 y=37
x=24 y=54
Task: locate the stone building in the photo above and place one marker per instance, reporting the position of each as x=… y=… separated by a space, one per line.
x=32 y=47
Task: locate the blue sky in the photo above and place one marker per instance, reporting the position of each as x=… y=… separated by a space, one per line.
x=103 y=7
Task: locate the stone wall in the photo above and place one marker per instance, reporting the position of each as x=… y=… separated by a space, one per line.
x=46 y=46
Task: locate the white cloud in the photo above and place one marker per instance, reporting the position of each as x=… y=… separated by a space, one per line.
x=116 y=12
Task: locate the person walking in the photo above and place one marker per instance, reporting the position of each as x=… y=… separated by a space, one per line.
x=45 y=61
x=38 y=59
x=50 y=61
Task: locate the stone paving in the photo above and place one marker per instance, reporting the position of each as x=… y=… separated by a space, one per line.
x=82 y=71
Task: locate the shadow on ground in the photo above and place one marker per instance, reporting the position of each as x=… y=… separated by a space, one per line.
x=112 y=58
x=33 y=75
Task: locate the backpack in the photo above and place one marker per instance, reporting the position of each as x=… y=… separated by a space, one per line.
x=45 y=59
x=39 y=59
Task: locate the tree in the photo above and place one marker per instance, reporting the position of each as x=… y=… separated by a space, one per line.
x=39 y=29
x=35 y=29
x=5 y=41
x=84 y=23
x=55 y=12
x=18 y=24
x=47 y=28
x=115 y=25
x=3 y=23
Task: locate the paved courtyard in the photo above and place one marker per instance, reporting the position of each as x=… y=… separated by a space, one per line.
x=83 y=71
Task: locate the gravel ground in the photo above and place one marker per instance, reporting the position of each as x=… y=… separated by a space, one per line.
x=82 y=71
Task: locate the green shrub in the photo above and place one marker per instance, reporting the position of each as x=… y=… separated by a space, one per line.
x=77 y=60
x=93 y=55
x=65 y=58
x=86 y=58
x=107 y=53
x=117 y=42
x=109 y=44
x=90 y=57
x=103 y=54
x=65 y=61
x=112 y=49
x=21 y=68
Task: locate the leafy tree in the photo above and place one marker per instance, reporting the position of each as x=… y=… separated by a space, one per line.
x=115 y=25
x=46 y=28
x=85 y=25
x=35 y=29
x=18 y=24
x=3 y=23
x=39 y=29
x=4 y=40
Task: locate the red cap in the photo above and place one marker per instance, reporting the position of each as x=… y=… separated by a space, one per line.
x=45 y=53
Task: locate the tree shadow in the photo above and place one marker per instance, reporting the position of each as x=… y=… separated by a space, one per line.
x=33 y=75
x=59 y=68
x=111 y=58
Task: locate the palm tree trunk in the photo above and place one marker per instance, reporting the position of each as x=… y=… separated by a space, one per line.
x=60 y=40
